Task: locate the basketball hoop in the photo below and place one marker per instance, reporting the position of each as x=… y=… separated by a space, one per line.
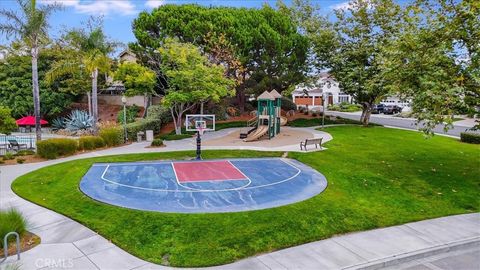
x=199 y=123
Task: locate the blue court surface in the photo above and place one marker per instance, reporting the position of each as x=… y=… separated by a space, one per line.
x=205 y=186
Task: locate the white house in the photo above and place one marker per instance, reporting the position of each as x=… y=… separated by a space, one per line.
x=325 y=87
x=395 y=100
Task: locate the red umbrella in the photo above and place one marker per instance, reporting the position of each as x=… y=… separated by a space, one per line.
x=29 y=121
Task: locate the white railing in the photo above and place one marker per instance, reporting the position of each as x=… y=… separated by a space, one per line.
x=26 y=141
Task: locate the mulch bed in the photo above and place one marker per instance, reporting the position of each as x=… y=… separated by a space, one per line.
x=27 y=241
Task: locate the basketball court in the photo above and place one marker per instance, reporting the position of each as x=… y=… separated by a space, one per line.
x=203 y=186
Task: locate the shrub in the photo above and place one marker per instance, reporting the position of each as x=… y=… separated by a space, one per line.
x=111 y=135
x=232 y=111
x=132 y=113
x=11 y=221
x=470 y=137
x=8 y=156
x=25 y=152
x=142 y=125
x=7 y=122
x=288 y=105
x=159 y=112
x=20 y=160
x=53 y=148
x=157 y=142
x=334 y=107
x=90 y=142
x=78 y=120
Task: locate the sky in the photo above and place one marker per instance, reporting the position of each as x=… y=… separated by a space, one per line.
x=119 y=14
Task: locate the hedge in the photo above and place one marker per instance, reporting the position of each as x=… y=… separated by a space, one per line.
x=112 y=136
x=53 y=148
x=142 y=125
x=470 y=137
x=90 y=142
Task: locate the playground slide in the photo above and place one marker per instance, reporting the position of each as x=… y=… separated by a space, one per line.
x=261 y=130
x=283 y=121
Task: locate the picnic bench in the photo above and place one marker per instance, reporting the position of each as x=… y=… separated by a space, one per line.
x=317 y=142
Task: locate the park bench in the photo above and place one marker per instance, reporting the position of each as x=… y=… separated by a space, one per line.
x=316 y=142
x=15 y=145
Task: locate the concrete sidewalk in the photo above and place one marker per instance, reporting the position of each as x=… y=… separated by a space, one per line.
x=68 y=244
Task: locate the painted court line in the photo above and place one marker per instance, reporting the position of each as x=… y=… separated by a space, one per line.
x=190 y=189
x=221 y=170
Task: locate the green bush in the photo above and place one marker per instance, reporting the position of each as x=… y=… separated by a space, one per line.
x=8 y=156
x=53 y=148
x=11 y=221
x=159 y=112
x=142 y=125
x=132 y=113
x=157 y=142
x=112 y=136
x=334 y=107
x=20 y=160
x=288 y=105
x=25 y=153
x=470 y=137
x=90 y=142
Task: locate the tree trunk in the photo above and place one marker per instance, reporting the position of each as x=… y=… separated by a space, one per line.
x=36 y=94
x=201 y=107
x=366 y=112
x=94 y=100
x=146 y=102
x=177 y=121
x=89 y=101
x=240 y=95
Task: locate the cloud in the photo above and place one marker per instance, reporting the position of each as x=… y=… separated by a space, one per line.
x=98 y=7
x=154 y=3
x=343 y=6
x=349 y=5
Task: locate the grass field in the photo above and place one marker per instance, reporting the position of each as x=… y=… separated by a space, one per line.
x=377 y=177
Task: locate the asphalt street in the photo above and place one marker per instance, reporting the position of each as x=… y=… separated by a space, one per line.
x=407 y=123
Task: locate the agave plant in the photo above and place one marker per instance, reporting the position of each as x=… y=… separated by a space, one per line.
x=58 y=123
x=78 y=120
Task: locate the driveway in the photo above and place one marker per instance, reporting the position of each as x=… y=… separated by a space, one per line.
x=408 y=123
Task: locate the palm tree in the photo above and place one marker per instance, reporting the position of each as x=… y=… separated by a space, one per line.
x=91 y=55
x=31 y=27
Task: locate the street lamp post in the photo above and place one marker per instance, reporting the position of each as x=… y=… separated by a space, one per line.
x=124 y=102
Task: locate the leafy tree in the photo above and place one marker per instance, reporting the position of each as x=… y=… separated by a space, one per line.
x=436 y=61
x=7 y=122
x=138 y=80
x=270 y=51
x=352 y=47
x=191 y=79
x=91 y=48
x=32 y=28
x=16 y=82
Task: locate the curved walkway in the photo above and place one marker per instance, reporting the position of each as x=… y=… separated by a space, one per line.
x=68 y=244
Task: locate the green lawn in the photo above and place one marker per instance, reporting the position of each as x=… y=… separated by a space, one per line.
x=377 y=177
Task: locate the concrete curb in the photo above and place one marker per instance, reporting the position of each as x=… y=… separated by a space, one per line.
x=418 y=254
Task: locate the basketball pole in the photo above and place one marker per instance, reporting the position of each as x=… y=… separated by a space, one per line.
x=199 y=146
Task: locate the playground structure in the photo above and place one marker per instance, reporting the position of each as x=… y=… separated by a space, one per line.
x=268 y=120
